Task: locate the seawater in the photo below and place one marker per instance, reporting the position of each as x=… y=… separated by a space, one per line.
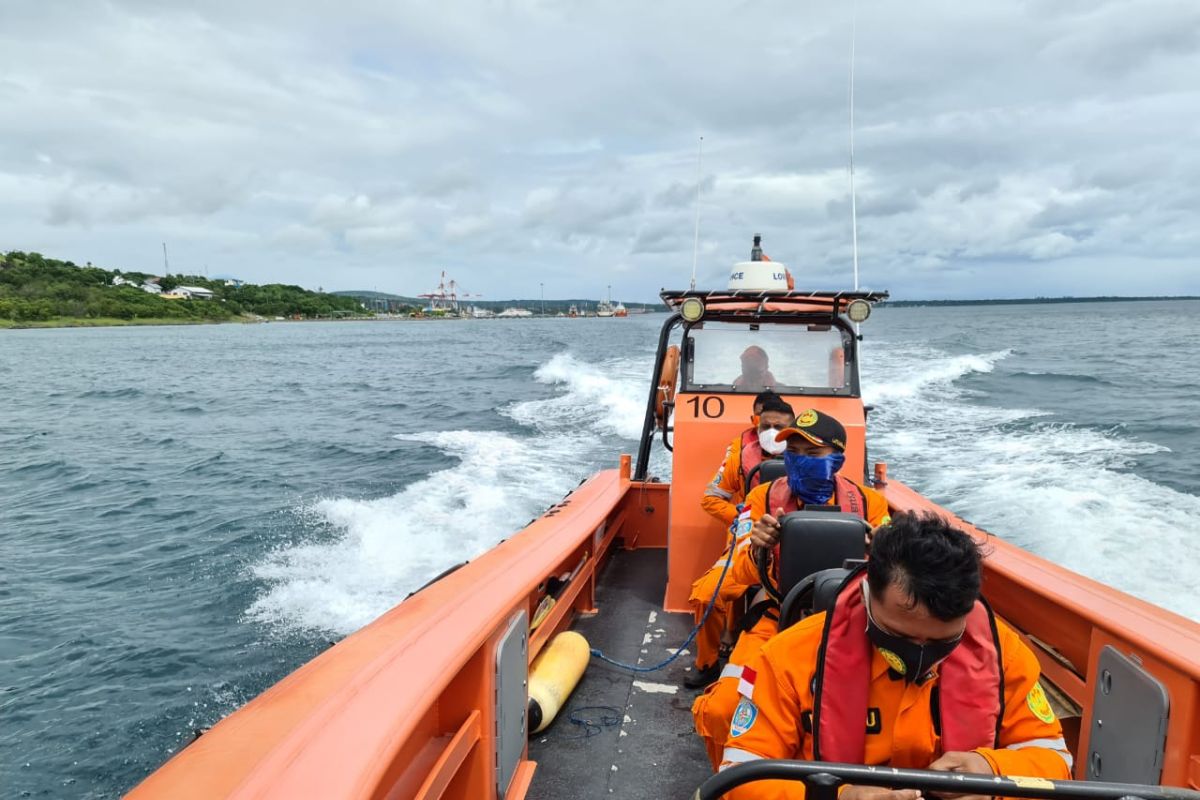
x=188 y=514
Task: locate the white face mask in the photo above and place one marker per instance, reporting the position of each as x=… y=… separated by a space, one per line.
x=766 y=440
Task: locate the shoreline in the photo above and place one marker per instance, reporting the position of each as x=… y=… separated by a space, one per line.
x=108 y=322
x=144 y=322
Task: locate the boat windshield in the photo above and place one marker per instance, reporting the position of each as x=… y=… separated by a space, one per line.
x=791 y=358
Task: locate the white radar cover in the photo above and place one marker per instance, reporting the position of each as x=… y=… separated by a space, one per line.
x=760 y=276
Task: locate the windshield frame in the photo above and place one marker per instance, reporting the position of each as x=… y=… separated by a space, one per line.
x=850 y=339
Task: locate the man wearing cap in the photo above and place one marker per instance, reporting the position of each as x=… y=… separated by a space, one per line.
x=756 y=374
x=816 y=446
x=722 y=499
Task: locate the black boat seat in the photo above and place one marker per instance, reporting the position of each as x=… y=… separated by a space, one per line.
x=767 y=470
x=771 y=469
x=814 y=547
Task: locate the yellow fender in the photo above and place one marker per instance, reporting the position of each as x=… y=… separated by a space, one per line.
x=554 y=674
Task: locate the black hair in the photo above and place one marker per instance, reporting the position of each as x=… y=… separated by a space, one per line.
x=930 y=560
x=763 y=397
x=777 y=403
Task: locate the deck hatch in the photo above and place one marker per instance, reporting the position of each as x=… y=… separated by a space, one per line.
x=512 y=693
x=1130 y=709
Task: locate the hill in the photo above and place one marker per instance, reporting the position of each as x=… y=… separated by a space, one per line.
x=39 y=290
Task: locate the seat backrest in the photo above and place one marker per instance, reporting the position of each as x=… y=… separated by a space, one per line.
x=811 y=541
x=771 y=470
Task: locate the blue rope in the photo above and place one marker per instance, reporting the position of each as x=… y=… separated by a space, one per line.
x=610 y=717
x=704 y=618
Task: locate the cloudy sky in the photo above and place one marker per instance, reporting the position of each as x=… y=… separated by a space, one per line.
x=1004 y=148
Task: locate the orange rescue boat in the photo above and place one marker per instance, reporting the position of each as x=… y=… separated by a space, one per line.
x=430 y=700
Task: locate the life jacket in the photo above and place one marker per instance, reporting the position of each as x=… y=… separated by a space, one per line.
x=751 y=456
x=847 y=494
x=970 y=686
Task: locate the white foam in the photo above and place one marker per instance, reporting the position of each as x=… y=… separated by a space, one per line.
x=609 y=398
x=389 y=546
x=1062 y=491
x=386 y=547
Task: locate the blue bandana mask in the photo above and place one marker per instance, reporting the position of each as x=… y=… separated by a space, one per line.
x=811 y=477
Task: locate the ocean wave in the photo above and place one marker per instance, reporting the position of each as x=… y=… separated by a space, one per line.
x=1070 y=493
x=924 y=370
x=607 y=398
x=112 y=394
x=386 y=547
x=1066 y=377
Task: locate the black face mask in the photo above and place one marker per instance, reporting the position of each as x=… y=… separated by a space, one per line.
x=910 y=660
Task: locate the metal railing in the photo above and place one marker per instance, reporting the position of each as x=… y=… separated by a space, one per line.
x=822 y=780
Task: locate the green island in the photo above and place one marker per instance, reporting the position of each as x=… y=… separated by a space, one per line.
x=39 y=292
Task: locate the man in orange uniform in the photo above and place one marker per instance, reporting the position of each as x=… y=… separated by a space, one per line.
x=909 y=669
x=756 y=370
x=751 y=447
x=816 y=447
x=721 y=499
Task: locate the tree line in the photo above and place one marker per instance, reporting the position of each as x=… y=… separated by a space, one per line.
x=36 y=288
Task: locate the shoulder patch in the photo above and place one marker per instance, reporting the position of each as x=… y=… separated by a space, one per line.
x=1039 y=705
x=743 y=717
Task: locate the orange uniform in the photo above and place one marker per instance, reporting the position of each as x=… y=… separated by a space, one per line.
x=713 y=709
x=900 y=731
x=725 y=492
x=721 y=499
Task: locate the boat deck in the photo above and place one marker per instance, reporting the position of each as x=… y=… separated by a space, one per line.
x=643 y=743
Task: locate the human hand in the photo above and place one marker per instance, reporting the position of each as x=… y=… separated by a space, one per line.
x=878 y=793
x=965 y=762
x=765 y=532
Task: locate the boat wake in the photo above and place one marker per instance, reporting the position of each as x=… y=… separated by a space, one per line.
x=1062 y=491
x=1066 y=492
x=364 y=556
x=610 y=398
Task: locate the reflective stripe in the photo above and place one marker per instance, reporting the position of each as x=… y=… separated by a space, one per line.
x=733 y=756
x=731 y=671
x=716 y=491
x=1057 y=745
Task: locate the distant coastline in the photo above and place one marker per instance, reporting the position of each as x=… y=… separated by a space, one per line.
x=1025 y=301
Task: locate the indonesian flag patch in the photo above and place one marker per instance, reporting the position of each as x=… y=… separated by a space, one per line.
x=746 y=682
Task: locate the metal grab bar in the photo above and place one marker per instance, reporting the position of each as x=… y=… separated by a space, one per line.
x=821 y=781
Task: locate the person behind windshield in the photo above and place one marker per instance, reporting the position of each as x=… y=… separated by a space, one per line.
x=756 y=374
x=948 y=686
x=816 y=445
x=722 y=499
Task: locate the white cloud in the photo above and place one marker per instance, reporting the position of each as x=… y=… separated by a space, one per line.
x=276 y=144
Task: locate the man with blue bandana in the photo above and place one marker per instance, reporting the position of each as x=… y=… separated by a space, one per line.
x=816 y=445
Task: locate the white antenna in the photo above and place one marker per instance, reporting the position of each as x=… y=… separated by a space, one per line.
x=853 y=199
x=696 y=236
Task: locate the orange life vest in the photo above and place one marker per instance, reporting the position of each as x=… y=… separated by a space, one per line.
x=970 y=686
x=846 y=493
x=751 y=456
